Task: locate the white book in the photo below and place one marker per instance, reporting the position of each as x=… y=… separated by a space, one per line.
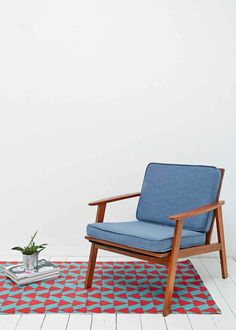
x=18 y=272
x=32 y=280
x=37 y=276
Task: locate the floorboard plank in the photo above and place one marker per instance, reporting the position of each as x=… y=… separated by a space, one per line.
x=79 y=321
x=30 y=321
x=55 y=322
x=152 y=322
x=232 y=268
x=104 y=322
x=226 y=286
x=9 y=322
x=128 y=322
x=178 y=322
x=223 y=321
x=202 y=322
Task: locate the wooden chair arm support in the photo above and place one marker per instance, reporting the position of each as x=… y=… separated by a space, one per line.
x=114 y=199
x=197 y=211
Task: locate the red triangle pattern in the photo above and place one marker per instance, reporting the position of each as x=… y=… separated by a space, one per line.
x=118 y=287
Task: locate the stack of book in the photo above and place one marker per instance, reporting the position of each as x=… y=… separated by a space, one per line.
x=45 y=271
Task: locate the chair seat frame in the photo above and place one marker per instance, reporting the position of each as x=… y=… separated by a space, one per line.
x=170 y=258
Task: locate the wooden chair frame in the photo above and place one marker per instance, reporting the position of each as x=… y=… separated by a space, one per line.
x=170 y=258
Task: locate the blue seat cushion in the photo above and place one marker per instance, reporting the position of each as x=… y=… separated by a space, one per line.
x=143 y=235
x=169 y=189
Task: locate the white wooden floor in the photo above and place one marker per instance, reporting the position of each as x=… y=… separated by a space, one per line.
x=222 y=291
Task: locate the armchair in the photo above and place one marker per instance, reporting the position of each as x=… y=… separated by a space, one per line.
x=176 y=212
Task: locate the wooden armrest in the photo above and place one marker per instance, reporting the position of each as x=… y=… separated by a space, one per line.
x=114 y=199
x=197 y=211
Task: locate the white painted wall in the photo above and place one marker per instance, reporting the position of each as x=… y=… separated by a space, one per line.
x=91 y=91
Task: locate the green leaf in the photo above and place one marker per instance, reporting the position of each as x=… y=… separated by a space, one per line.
x=32 y=238
x=41 y=245
x=17 y=248
x=31 y=248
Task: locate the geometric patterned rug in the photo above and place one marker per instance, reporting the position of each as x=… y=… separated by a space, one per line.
x=118 y=287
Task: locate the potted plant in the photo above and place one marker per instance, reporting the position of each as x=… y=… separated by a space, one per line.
x=30 y=254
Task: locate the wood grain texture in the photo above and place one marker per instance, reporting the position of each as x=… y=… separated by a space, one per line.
x=197 y=211
x=114 y=198
x=91 y=266
x=172 y=267
x=100 y=212
x=192 y=251
x=126 y=247
x=221 y=240
x=162 y=261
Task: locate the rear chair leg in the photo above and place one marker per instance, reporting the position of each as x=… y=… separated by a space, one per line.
x=91 y=266
x=221 y=239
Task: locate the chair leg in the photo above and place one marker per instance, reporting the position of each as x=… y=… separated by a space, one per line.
x=91 y=266
x=221 y=239
x=172 y=267
x=169 y=288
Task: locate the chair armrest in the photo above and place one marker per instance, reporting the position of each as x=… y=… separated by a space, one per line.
x=197 y=211
x=114 y=199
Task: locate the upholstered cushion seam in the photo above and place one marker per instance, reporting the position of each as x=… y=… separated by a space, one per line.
x=143 y=238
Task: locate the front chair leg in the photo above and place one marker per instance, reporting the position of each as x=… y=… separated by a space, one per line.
x=172 y=267
x=169 y=288
x=91 y=266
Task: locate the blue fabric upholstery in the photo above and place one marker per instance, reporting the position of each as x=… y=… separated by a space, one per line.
x=143 y=235
x=169 y=189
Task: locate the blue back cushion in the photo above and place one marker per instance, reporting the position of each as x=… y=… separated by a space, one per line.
x=170 y=189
